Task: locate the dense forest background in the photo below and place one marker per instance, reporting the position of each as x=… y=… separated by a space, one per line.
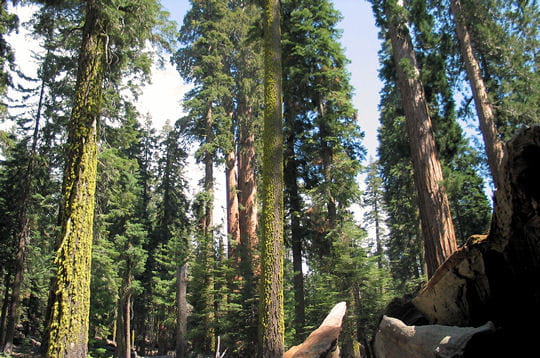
x=163 y=275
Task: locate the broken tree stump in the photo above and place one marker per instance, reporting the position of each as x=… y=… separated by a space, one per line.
x=322 y=343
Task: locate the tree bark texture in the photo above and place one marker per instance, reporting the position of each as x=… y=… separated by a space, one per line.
x=182 y=311
x=233 y=215
x=271 y=324
x=124 y=325
x=247 y=189
x=484 y=109
x=436 y=219
x=68 y=325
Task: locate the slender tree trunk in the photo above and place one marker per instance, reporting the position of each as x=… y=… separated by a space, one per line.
x=5 y=304
x=247 y=189
x=208 y=249
x=378 y=240
x=181 y=305
x=124 y=324
x=233 y=224
x=68 y=326
x=436 y=220
x=293 y=198
x=271 y=302
x=23 y=233
x=494 y=145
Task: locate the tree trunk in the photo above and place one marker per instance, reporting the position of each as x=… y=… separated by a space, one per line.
x=293 y=198
x=247 y=189
x=5 y=303
x=68 y=325
x=484 y=109
x=181 y=306
x=124 y=325
x=208 y=245
x=436 y=220
x=271 y=317
x=23 y=233
x=233 y=224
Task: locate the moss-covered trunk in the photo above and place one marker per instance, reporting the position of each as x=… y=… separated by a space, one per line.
x=68 y=321
x=271 y=305
x=434 y=208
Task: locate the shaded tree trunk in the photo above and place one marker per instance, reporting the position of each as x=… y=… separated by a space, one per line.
x=293 y=198
x=271 y=317
x=247 y=188
x=208 y=245
x=484 y=109
x=436 y=220
x=182 y=311
x=68 y=324
x=124 y=325
x=23 y=233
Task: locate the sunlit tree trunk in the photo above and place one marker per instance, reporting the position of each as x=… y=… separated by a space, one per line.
x=484 y=109
x=436 y=220
x=68 y=323
x=231 y=184
x=271 y=318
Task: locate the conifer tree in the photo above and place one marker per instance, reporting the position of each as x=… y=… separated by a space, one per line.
x=436 y=220
x=126 y=28
x=271 y=325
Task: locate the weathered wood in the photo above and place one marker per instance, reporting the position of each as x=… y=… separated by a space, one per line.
x=496 y=277
x=322 y=343
x=395 y=339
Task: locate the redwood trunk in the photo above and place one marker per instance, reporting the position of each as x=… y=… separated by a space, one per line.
x=247 y=189
x=436 y=220
x=484 y=109
x=233 y=224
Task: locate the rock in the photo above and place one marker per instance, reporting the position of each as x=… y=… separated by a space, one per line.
x=322 y=343
x=394 y=339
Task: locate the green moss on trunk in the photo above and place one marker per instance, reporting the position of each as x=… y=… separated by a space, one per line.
x=68 y=322
x=271 y=281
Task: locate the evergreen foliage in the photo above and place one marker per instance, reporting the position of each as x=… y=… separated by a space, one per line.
x=164 y=277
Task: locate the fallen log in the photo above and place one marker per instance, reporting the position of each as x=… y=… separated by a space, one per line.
x=322 y=343
x=395 y=339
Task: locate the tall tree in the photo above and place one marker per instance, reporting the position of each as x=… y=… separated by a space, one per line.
x=126 y=28
x=271 y=325
x=486 y=115
x=68 y=324
x=436 y=220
